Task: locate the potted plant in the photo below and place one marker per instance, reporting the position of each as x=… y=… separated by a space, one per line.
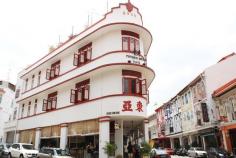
x=110 y=149
x=145 y=149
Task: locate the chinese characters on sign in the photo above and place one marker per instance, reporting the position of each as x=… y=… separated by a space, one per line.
x=127 y=106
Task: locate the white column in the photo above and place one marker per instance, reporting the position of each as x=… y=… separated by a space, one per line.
x=104 y=134
x=63 y=138
x=172 y=143
x=37 y=138
x=190 y=140
x=204 y=143
x=119 y=138
x=181 y=141
x=146 y=137
x=4 y=137
x=17 y=137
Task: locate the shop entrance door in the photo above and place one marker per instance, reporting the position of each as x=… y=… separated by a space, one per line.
x=232 y=135
x=50 y=142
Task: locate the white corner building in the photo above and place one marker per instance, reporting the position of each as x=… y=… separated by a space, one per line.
x=7 y=95
x=93 y=88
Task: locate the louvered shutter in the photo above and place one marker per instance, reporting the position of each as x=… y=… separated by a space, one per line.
x=79 y=95
x=45 y=102
x=48 y=74
x=72 y=95
x=76 y=59
x=89 y=53
x=57 y=70
x=52 y=73
x=138 y=86
x=54 y=102
x=86 y=92
x=82 y=57
x=144 y=87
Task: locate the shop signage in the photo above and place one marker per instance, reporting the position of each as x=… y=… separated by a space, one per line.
x=135 y=59
x=127 y=106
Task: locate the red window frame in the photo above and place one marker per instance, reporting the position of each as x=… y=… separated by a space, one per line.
x=129 y=36
x=54 y=71
x=81 y=92
x=83 y=55
x=140 y=84
x=50 y=103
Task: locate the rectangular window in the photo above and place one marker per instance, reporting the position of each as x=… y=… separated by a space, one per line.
x=130 y=42
x=22 y=110
x=50 y=103
x=26 y=84
x=32 y=82
x=28 y=112
x=183 y=100
x=39 y=77
x=83 y=55
x=81 y=92
x=186 y=98
x=35 y=106
x=205 y=112
x=15 y=113
x=54 y=71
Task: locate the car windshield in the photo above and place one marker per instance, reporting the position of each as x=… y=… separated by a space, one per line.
x=28 y=147
x=61 y=152
x=199 y=149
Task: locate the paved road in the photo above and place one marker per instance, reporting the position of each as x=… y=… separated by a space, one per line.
x=176 y=156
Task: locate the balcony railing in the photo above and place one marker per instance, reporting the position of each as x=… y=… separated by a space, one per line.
x=53 y=72
x=49 y=104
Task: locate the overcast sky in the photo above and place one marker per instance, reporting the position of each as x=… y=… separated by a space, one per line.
x=188 y=35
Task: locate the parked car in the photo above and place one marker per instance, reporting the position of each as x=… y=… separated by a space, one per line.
x=169 y=151
x=159 y=153
x=181 y=152
x=53 y=153
x=197 y=152
x=218 y=153
x=4 y=150
x=22 y=150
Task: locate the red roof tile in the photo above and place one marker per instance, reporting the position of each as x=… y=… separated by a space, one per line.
x=225 y=88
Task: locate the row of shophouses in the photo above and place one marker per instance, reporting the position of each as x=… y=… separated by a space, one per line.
x=203 y=113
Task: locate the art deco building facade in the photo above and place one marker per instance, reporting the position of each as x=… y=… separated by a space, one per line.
x=92 y=88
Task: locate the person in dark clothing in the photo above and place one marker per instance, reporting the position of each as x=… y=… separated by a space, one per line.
x=137 y=152
x=130 y=150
